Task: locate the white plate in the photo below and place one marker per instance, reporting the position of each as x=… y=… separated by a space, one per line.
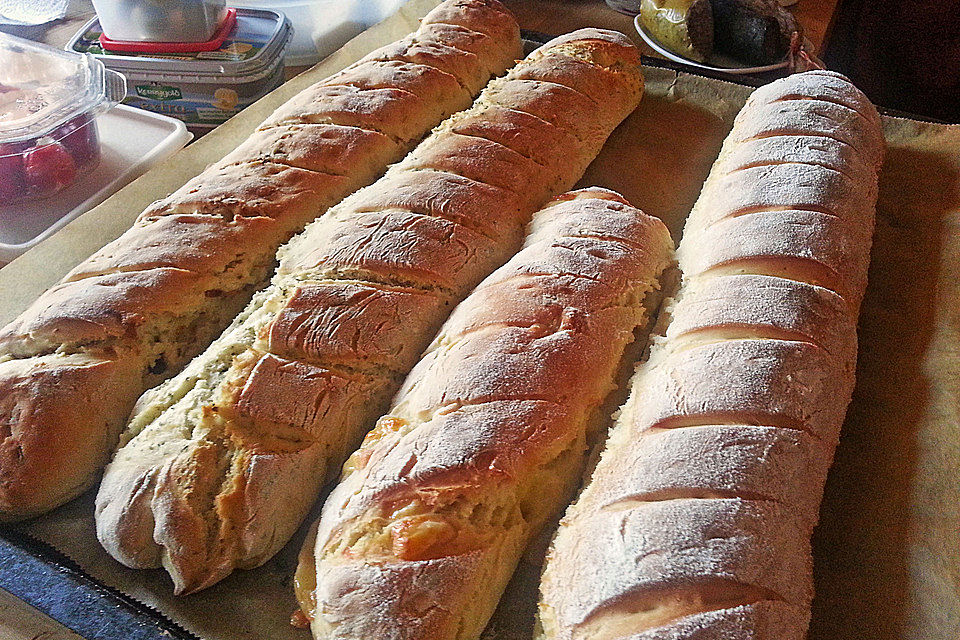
x=730 y=65
x=132 y=140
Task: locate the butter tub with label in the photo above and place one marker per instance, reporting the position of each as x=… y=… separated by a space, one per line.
x=206 y=88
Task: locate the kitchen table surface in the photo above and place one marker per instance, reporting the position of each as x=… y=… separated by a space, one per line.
x=20 y=621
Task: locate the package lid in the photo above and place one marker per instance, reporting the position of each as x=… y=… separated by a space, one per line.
x=143 y=46
x=42 y=87
x=255 y=44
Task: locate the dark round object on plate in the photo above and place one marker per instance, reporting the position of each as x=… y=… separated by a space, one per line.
x=756 y=32
x=700 y=26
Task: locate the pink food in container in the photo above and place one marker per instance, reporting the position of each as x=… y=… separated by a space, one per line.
x=49 y=102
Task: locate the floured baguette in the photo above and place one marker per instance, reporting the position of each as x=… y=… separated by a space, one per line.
x=74 y=363
x=486 y=440
x=221 y=463
x=696 y=523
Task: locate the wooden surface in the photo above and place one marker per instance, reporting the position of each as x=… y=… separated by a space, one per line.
x=20 y=621
x=904 y=55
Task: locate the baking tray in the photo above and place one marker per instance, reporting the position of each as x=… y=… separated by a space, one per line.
x=45 y=578
x=888 y=551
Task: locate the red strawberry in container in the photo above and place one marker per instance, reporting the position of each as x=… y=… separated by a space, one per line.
x=12 y=179
x=48 y=168
x=79 y=137
x=48 y=111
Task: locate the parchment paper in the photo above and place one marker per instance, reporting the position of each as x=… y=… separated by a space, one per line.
x=887 y=551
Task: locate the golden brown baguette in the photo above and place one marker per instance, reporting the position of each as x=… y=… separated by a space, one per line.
x=486 y=440
x=221 y=463
x=696 y=522
x=74 y=363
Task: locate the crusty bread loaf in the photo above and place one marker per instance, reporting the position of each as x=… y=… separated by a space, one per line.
x=486 y=440
x=221 y=463
x=74 y=363
x=696 y=523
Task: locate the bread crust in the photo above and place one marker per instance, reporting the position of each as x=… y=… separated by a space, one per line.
x=697 y=519
x=764 y=303
x=488 y=433
x=61 y=390
x=156 y=296
x=292 y=387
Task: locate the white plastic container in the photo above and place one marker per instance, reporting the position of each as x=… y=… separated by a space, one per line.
x=132 y=142
x=323 y=26
x=49 y=102
x=160 y=20
x=206 y=88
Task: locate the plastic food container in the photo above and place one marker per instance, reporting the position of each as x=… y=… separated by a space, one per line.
x=131 y=142
x=49 y=101
x=323 y=26
x=160 y=20
x=205 y=88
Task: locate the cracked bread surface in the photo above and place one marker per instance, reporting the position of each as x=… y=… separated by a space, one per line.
x=148 y=302
x=488 y=436
x=696 y=521
x=276 y=404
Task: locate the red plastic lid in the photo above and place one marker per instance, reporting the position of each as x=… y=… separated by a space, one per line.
x=127 y=46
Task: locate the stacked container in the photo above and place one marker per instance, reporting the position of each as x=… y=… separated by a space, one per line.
x=205 y=88
x=49 y=101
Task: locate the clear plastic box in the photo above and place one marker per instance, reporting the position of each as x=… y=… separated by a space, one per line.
x=160 y=20
x=49 y=101
x=205 y=88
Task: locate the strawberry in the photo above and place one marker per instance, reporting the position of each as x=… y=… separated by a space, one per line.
x=11 y=172
x=48 y=168
x=79 y=136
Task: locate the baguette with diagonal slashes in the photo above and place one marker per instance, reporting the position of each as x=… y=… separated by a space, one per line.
x=221 y=463
x=487 y=438
x=74 y=363
x=696 y=522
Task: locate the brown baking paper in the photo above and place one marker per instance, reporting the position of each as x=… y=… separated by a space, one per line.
x=887 y=551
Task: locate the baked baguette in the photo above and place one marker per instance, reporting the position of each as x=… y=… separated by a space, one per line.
x=74 y=363
x=486 y=440
x=696 y=523
x=221 y=463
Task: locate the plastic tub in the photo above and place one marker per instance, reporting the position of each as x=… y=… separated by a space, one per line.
x=49 y=101
x=206 y=88
x=160 y=20
x=323 y=26
x=131 y=141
